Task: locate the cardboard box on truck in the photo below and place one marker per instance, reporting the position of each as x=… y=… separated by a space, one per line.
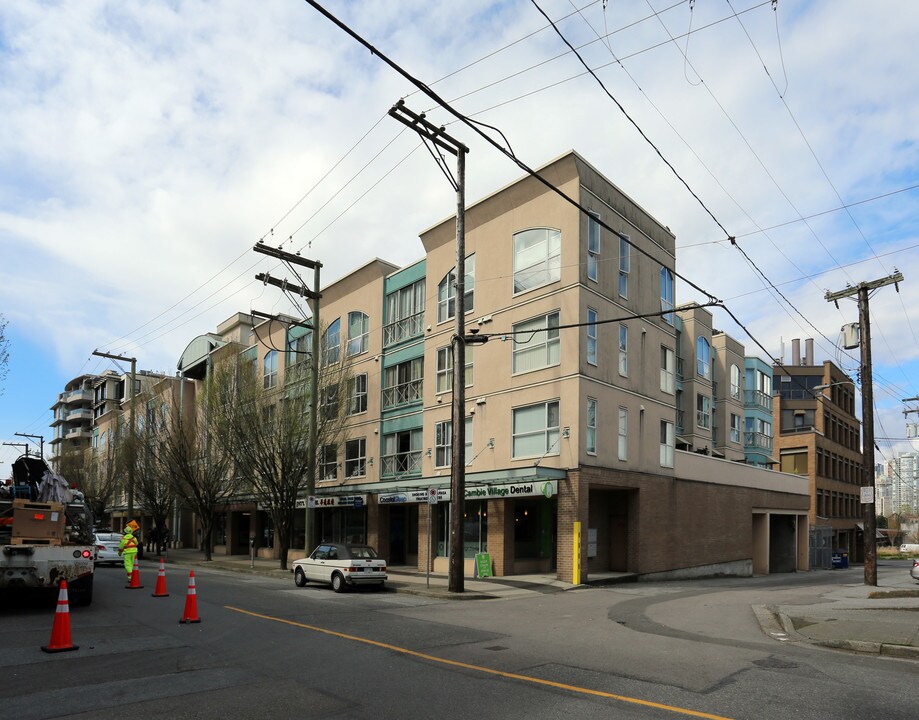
x=38 y=519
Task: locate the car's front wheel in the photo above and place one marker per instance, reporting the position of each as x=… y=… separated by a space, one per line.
x=299 y=577
x=338 y=582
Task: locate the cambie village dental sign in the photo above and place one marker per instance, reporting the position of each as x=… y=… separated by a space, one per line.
x=546 y=488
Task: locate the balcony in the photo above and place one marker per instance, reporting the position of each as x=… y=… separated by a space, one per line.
x=758 y=399
x=406 y=463
x=758 y=441
x=78 y=396
x=78 y=414
x=77 y=433
x=679 y=422
x=403 y=329
x=679 y=369
x=797 y=394
x=402 y=394
x=798 y=429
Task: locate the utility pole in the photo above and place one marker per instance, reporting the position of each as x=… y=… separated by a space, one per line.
x=41 y=440
x=24 y=446
x=314 y=296
x=862 y=290
x=437 y=137
x=131 y=454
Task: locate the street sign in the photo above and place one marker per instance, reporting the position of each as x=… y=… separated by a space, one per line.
x=867 y=495
x=432 y=496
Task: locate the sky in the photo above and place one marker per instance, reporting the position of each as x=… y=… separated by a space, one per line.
x=147 y=146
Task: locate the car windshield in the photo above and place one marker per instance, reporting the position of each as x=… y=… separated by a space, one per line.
x=362 y=551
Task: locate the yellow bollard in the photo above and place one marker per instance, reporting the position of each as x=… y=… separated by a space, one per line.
x=576 y=556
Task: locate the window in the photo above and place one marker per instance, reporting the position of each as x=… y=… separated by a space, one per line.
x=794 y=462
x=248 y=359
x=735 y=428
x=356 y=458
x=625 y=264
x=444 y=378
x=402 y=453
x=666 y=444
x=328 y=462
x=328 y=401
x=535 y=430
x=446 y=291
x=402 y=383
x=667 y=294
x=537 y=258
x=299 y=345
x=704 y=412
x=443 y=443
x=358 y=394
x=703 y=358
x=624 y=350
x=668 y=382
x=331 y=343
x=592 y=336
x=270 y=370
x=623 y=433
x=593 y=246
x=539 y=349
x=404 y=313
x=735 y=382
x=358 y=333
x=591 y=426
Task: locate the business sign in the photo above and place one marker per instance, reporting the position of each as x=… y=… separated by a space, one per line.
x=414 y=496
x=546 y=488
x=326 y=501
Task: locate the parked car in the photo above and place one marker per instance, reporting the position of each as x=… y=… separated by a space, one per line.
x=341 y=565
x=914 y=570
x=107 y=548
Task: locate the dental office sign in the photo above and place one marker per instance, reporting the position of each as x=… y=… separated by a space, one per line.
x=413 y=497
x=546 y=488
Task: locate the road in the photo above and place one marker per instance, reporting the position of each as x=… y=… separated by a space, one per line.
x=267 y=649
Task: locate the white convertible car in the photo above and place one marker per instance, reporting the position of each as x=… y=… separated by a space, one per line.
x=341 y=565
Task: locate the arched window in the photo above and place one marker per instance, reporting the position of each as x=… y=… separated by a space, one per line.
x=703 y=358
x=735 y=382
x=358 y=333
x=331 y=342
x=446 y=291
x=270 y=370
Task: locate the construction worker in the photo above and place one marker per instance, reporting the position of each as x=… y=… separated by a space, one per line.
x=128 y=549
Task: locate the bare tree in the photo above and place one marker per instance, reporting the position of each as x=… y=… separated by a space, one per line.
x=101 y=475
x=153 y=486
x=266 y=431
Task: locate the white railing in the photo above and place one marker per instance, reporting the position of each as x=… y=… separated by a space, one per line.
x=404 y=328
x=402 y=394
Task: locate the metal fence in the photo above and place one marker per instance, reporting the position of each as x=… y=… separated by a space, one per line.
x=821 y=548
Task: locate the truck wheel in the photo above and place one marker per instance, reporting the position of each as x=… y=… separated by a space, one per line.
x=83 y=591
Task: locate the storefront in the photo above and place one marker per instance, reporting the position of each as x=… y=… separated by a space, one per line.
x=339 y=518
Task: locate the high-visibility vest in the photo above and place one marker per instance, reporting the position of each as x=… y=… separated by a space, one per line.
x=128 y=542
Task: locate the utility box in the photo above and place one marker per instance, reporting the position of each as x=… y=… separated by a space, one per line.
x=851 y=336
x=38 y=520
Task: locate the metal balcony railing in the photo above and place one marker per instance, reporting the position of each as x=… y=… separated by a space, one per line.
x=679 y=368
x=404 y=328
x=402 y=463
x=757 y=440
x=402 y=394
x=679 y=422
x=757 y=398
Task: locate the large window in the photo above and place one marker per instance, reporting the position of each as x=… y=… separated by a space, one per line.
x=735 y=428
x=539 y=348
x=270 y=370
x=591 y=426
x=358 y=394
x=735 y=382
x=443 y=443
x=331 y=343
x=625 y=265
x=624 y=350
x=446 y=291
x=402 y=383
x=704 y=412
x=299 y=345
x=591 y=336
x=404 y=313
x=794 y=462
x=623 y=433
x=358 y=333
x=402 y=453
x=667 y=294
x=666 y=444
x=356 y=458
x=328 y=462
x=668 y=383
x=703 y=358
x=593 y=247
x=537 y=258
x=444 y=377
x=535 y=430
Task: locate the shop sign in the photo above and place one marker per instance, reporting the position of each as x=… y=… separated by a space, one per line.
x=547 y=488
x=325 y=501
x=412 y=496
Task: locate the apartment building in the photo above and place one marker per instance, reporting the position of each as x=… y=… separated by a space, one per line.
x=819 y=438
x=757 y=394
x=73 y=416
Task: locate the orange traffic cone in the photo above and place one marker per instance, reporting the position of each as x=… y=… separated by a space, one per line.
x=160 y=590
x=60 y=632
x=135 y=578
x=191 y=602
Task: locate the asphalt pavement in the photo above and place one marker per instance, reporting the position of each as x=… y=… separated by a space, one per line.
x=847 y=615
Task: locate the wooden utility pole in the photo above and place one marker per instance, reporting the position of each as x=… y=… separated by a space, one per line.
x=131 y=453
x=862 y=290
x=312 y=297
x=440 y=139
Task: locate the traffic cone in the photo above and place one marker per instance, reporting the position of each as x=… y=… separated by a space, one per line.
x=160 y=590
x=60 y=632
x=191 y=602
x=135 y=578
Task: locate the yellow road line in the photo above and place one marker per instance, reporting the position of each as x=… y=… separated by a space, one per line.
x=479 y=668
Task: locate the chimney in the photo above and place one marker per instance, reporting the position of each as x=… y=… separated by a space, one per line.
x=796 y=351
x=809 y=351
